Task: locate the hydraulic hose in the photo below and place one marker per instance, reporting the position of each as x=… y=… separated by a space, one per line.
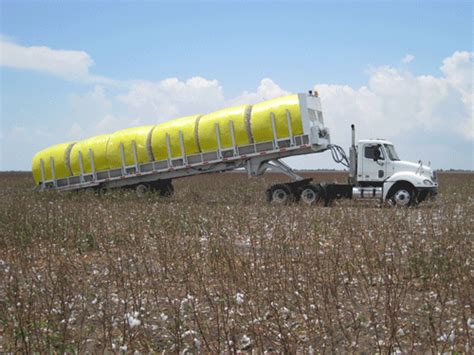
x=339 y=155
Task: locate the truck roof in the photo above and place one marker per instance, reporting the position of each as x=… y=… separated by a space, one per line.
x=376 y=141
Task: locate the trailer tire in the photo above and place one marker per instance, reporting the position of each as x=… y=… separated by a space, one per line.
x=142 y=190
x=280 y=194
x=311 y=194
x=103 y=191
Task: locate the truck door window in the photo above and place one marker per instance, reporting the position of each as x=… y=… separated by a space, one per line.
x=369 y=152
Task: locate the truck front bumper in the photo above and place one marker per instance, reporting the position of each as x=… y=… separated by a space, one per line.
x=427 y=192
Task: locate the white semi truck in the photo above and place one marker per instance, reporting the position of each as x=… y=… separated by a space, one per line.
x=375 y=170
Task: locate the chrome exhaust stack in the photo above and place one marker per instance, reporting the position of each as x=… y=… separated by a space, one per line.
x=352 y=158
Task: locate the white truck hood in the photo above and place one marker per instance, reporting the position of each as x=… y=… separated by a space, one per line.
x=408 y=166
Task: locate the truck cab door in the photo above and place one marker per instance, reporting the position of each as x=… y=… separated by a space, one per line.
x=373 y=170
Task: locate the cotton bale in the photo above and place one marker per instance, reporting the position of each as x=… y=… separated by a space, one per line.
x=60 y=155
x=98 y=145
x=239 y=116
x=188 y=127
x=126 y=137
x=260 y=119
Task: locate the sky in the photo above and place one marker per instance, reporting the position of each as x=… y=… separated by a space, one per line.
x=397 y=70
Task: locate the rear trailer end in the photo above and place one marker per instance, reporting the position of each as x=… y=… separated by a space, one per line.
x=250 y=137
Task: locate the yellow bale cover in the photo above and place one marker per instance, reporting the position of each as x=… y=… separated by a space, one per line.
x=59 y=153
x=261 y=124
x=126 y=137
x=98 y=145
x=207 y=130
x=187 y=125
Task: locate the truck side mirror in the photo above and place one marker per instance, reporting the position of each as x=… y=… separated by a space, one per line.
x=377 y=153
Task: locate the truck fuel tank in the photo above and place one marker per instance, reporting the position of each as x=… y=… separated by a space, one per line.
x=366 y=192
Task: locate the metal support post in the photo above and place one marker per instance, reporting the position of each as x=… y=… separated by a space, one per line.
x=42 y=174
x=91 y=158
x=81 y=167
x=290 y=128
x=275 y=136
x=168 y=149
x=278 y=165
x=53 y=172
x=122 y=155
x=183 y=151
x=218 y=137
x=232 y=134
x=135 y=156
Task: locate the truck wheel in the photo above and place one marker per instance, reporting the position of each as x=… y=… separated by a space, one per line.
x=311 y=194
x=280 y=194
x=142 y=190
x=402 y=196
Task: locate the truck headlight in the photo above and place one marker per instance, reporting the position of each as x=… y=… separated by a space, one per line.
x=427 y=182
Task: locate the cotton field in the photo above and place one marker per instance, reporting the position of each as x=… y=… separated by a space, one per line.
x=216 y=269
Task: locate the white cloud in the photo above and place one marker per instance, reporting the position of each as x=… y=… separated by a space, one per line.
x=396 y=102
x=159 y=101
x=169 y=98
x=67 y=64
x=408 y=58
x=111 y=123
x=267 y=90
x=96 y=98
x=459 y=71
x=76 y=132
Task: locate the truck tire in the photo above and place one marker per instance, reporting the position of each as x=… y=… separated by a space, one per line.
x=280 y=194
x=402 y=195
x=311 y=194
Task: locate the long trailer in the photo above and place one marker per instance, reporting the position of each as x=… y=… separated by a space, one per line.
x=256 y=158
x=375 y=171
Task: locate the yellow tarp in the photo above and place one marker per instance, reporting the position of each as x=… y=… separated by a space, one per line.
x=261 y=124
x=126 y=136
x=207 y=130
x=59 y=153
x=199 y=134
x=98 y=145
x=187 y=125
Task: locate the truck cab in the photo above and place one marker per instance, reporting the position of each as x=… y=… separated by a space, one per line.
x=400 y=182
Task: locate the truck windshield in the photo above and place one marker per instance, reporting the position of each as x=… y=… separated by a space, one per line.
x=392 y=154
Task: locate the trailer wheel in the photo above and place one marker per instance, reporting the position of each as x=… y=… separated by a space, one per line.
x=280 y=194
x=142 y=190
x=103 y=191
x=311 y=194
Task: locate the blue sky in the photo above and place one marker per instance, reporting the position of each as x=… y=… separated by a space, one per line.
x=103 y=66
